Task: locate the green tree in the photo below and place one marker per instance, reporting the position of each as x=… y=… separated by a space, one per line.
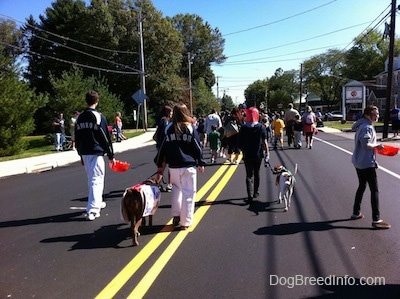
x=282 y=88
x=203 y=99
x=323 y=75
x=227 y=103
x=69 y=94
x=202 y=45
x=367 y=57
x=255 y=93
x=17 y=100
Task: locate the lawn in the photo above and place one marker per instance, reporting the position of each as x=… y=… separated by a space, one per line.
x=38 y=145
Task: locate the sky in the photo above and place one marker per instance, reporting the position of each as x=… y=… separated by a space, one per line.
x=260 y=35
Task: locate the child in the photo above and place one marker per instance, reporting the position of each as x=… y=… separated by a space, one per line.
x=278 y=125
x=214 y=139
x=297 y=129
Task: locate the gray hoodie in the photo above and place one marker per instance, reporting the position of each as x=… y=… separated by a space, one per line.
x=364 y=157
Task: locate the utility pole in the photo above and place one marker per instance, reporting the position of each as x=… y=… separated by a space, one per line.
x=301 y=85
x=190 y=83
x=390 y=71
x=142 y=72
x=217 y=89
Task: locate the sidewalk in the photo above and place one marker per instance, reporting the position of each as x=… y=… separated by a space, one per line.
x=56 y=159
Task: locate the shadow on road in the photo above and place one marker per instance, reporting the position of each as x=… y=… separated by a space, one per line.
x=294 y=228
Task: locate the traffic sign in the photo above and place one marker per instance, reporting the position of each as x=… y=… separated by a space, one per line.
x=139 y=97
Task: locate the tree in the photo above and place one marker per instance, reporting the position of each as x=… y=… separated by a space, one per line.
x=17 y=100
x=323 y=75
x=255 y=93
x=203 y=98
x=69 y=94
x=227 y=103
x=202 y=43
x=282 y=87
x=367 y=57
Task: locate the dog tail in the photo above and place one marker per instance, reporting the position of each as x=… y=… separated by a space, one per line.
x=123 y=210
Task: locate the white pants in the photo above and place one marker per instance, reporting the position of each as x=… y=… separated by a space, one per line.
x=95 y=170
x=183 y=193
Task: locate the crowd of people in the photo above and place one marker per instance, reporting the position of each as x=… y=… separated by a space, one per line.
x=182 y=139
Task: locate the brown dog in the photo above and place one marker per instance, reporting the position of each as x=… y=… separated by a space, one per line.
x=139 y=201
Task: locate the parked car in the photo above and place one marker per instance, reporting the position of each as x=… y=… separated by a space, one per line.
x=353 y=114
x=334 y=115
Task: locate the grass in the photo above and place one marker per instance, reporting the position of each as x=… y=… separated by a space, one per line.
x=346 y=126
x=38 y=145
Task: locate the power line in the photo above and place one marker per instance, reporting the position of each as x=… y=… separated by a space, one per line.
x=281 y=20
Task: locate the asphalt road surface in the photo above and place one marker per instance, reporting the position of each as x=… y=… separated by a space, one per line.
x=49 y=250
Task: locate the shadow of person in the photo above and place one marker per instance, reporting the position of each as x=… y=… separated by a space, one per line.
x=294 y=228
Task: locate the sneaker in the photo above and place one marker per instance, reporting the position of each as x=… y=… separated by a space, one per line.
x=380 y=224
x=176 y=220
x=92 y=216
x=236 y=162
x=103 y=205
x=256 y=194
x=169 y=188
x=224 y=156
x=356 y=217
x=212 y=161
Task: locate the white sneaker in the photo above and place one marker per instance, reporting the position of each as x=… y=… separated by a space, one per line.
x=103 y=205
x=224 y=156
x=92 y=216
x=169 y=187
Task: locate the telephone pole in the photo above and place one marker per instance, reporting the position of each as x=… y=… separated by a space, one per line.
x=142 y=72
x=390 y=71
x=190 y=83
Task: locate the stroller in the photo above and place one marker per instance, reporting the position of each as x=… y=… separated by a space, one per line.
x=67 y=144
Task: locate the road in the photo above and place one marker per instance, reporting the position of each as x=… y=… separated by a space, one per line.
x=49 y=250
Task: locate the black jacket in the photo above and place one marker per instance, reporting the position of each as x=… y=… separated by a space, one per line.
x=91 y=134
x=180 y=151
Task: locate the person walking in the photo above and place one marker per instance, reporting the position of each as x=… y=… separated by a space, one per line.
x=277 y=126
x=214 y=139
x=297 y=130
x=364 y=160
x=254 y=145
x=93 y=141
x=309 y=121
x=118 y=126
x=212 y=119
x=182 y=152
x=159 y=135
x=234 y=120
x=289 y=118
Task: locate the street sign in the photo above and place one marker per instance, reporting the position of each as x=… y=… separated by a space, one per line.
x=139 y=97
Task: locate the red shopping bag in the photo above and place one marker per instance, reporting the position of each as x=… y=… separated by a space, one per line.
x=387 y=150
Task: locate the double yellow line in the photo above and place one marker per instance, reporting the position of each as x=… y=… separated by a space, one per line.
x=130 y=269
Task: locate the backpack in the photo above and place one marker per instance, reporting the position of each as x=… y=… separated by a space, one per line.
x=310 y=119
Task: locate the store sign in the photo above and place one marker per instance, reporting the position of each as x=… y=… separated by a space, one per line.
x=354 y=94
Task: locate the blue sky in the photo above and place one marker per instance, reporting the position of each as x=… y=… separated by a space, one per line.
x=260 y=35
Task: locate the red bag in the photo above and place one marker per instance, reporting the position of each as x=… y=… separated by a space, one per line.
x=387 y=150
x=119 y=166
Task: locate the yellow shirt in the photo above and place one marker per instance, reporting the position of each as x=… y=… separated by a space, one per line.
x=278 y=125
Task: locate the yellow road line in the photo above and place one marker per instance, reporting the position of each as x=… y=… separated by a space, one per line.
x=130 y=269
x=143 y=286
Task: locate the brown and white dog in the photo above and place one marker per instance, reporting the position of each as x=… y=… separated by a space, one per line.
x=138 y=202
x=285 y=180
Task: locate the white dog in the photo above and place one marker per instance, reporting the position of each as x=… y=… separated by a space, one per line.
x=285 y=181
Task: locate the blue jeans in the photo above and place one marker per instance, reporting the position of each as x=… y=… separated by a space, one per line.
x=367 y=175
